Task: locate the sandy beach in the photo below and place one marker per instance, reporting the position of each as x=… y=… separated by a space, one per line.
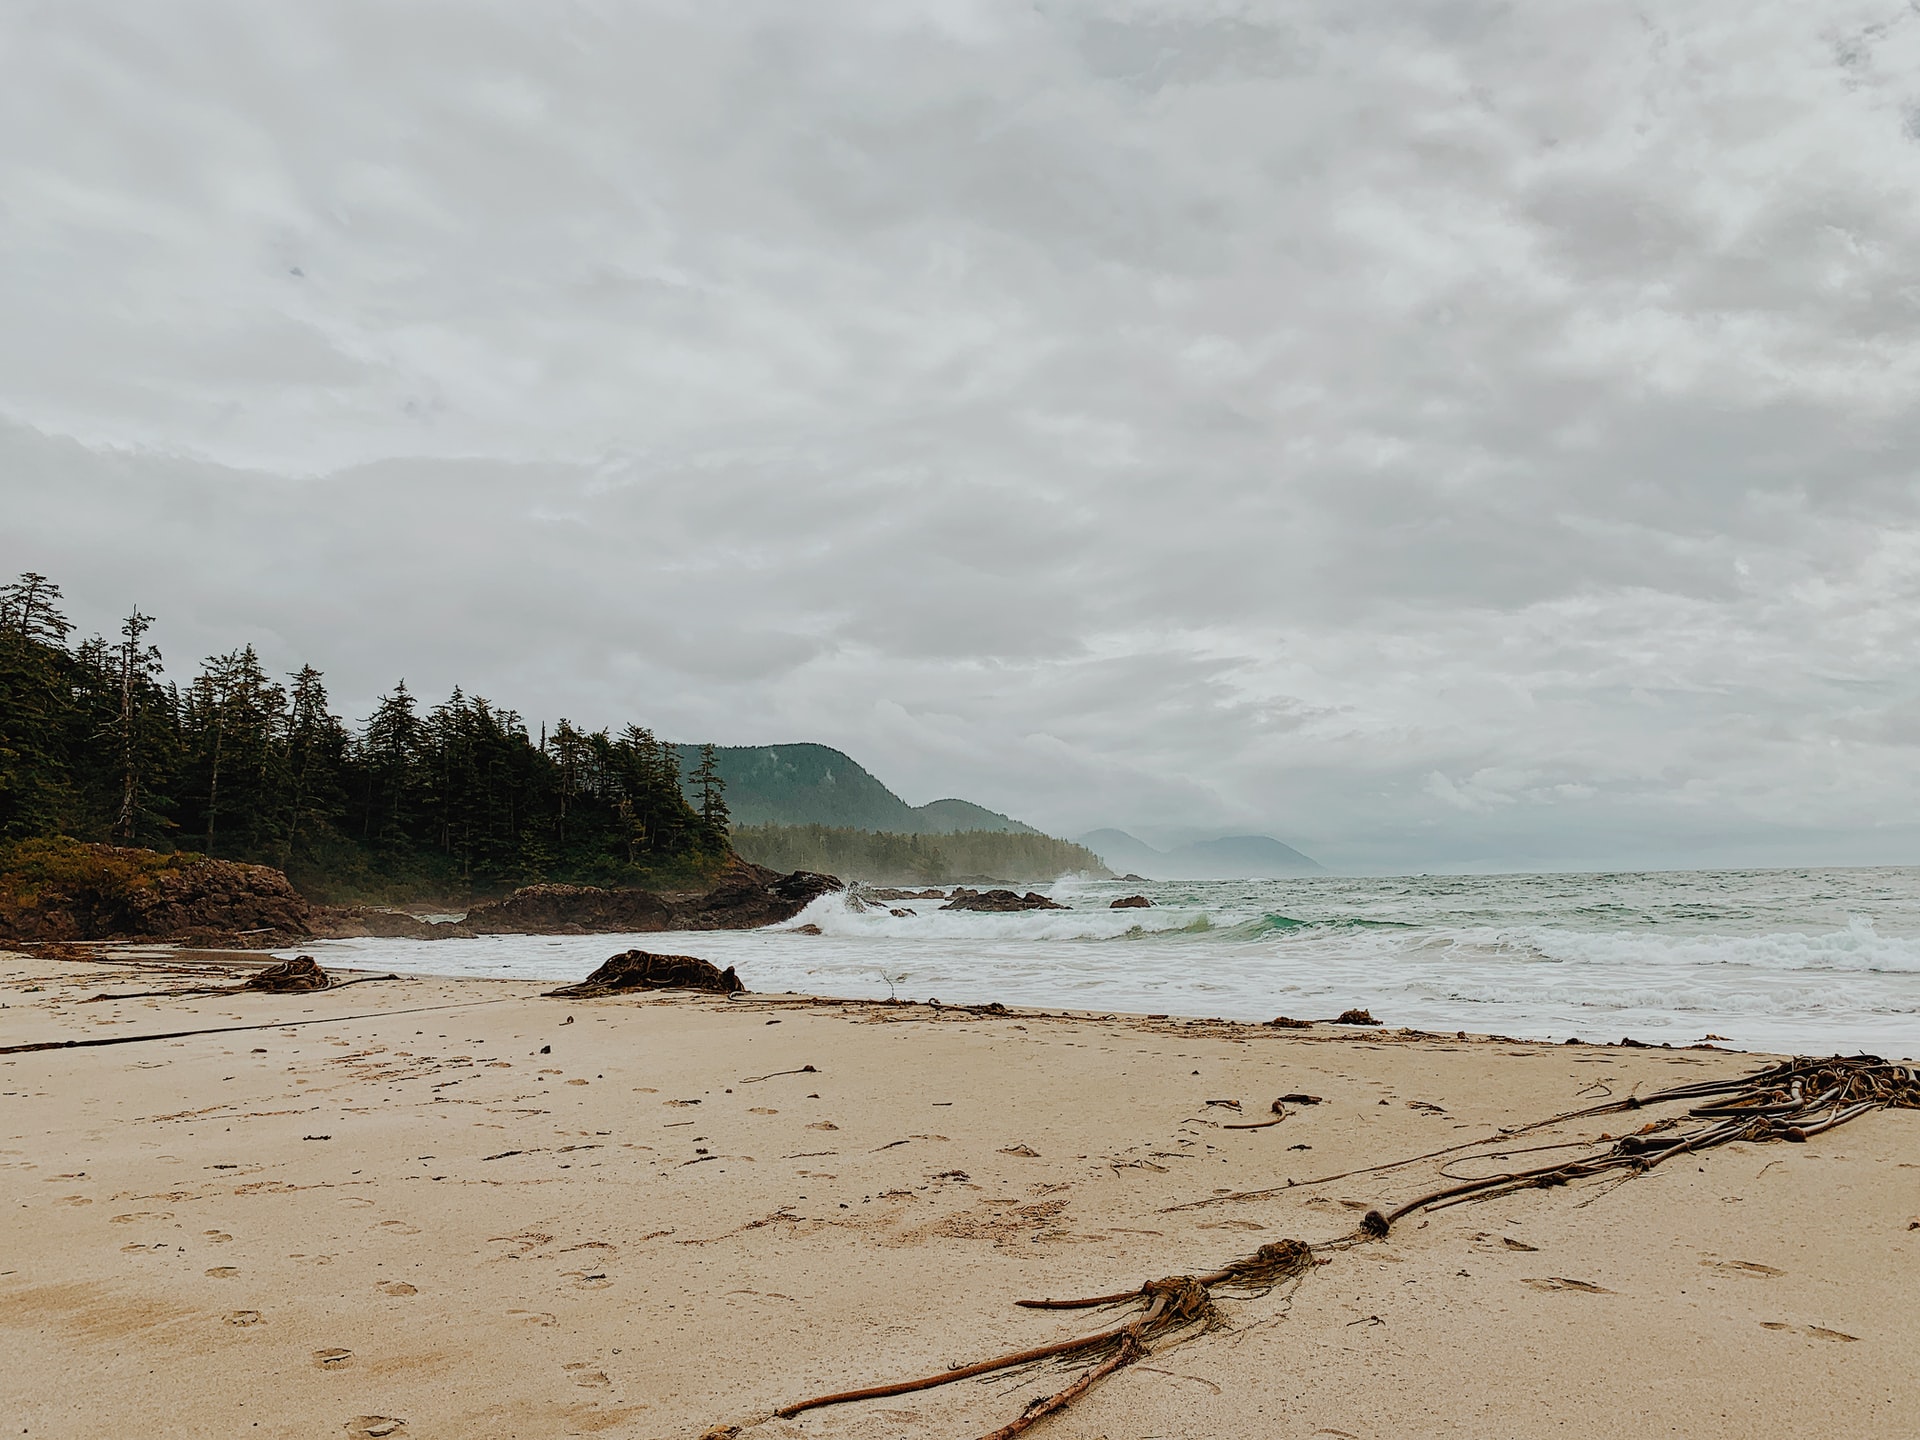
x=456 y=1208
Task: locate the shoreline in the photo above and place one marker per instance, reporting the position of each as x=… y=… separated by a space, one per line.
x=664 y=1223
x=137 y=954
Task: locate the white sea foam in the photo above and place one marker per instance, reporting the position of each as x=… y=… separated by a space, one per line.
x=1808 y=960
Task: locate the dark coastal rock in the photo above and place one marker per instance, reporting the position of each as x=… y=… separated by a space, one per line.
x=360 y=922
x=642 y=970
x=1132 y=902
x=61 y=889
x=1000 y=901
x=888 y=895
x=571 y=910
x=747 y=896
x=1355 y=1017
x=1131 y=879
x=742 y=897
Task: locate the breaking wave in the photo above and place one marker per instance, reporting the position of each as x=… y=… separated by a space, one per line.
x=1806 y=960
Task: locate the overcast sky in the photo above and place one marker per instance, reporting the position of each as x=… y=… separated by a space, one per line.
x=1447 y=435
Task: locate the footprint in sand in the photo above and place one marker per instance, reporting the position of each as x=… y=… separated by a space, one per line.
x=538 y=1317
x=1743 y=1267
x=224 y=1272
x=244 y=1318
x=395 y=1287
x=216 y=1237
x=397 y=1227
x=585 y=1375
x=761 y=1110
x=375 y=1427
x=1560 y=1282
x=527 y=1240
x=334 y=1359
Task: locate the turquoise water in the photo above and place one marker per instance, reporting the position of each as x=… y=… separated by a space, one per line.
x=1800 y=960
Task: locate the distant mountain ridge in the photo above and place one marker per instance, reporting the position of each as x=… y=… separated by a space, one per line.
x=1232 y=857
x=808 y=784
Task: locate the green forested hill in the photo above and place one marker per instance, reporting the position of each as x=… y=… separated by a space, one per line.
x=818 y=785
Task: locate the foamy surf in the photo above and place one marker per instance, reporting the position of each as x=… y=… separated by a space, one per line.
x=1794 y=961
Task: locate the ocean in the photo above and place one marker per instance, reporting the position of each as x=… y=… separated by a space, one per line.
x=1804 y=961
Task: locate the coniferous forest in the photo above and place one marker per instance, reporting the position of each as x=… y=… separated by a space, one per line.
x=455 y=799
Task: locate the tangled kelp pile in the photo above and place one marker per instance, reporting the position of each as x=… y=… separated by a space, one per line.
x=1791 y=1101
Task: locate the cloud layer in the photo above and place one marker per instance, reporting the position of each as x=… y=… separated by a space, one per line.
x=1453 y=434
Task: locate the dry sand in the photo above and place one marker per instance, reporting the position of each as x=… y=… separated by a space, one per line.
x=456 y=1209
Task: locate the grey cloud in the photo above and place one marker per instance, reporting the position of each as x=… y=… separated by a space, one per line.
x=1442 y=434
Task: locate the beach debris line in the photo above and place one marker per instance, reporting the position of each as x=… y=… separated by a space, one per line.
x=231 y=1029
x=1792 y=1101
x=301 y=975
x=644 y=970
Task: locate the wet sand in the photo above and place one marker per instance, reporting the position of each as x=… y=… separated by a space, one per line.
x=454 y=1208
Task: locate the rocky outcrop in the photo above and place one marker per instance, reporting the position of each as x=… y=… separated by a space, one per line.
x=61 y=889
x=360 y=922
x=571 y=910
x=746 y=896
x=641 y=970
x=886 y=893
x=742 y=897
x=1131 y=902
x=1000 y=901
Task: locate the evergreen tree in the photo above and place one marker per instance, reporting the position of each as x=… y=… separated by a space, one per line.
x=314 y=744
x=713 y=802
x=235 y=782
x=141 y=731
x=390 y=755
x=36 y=796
